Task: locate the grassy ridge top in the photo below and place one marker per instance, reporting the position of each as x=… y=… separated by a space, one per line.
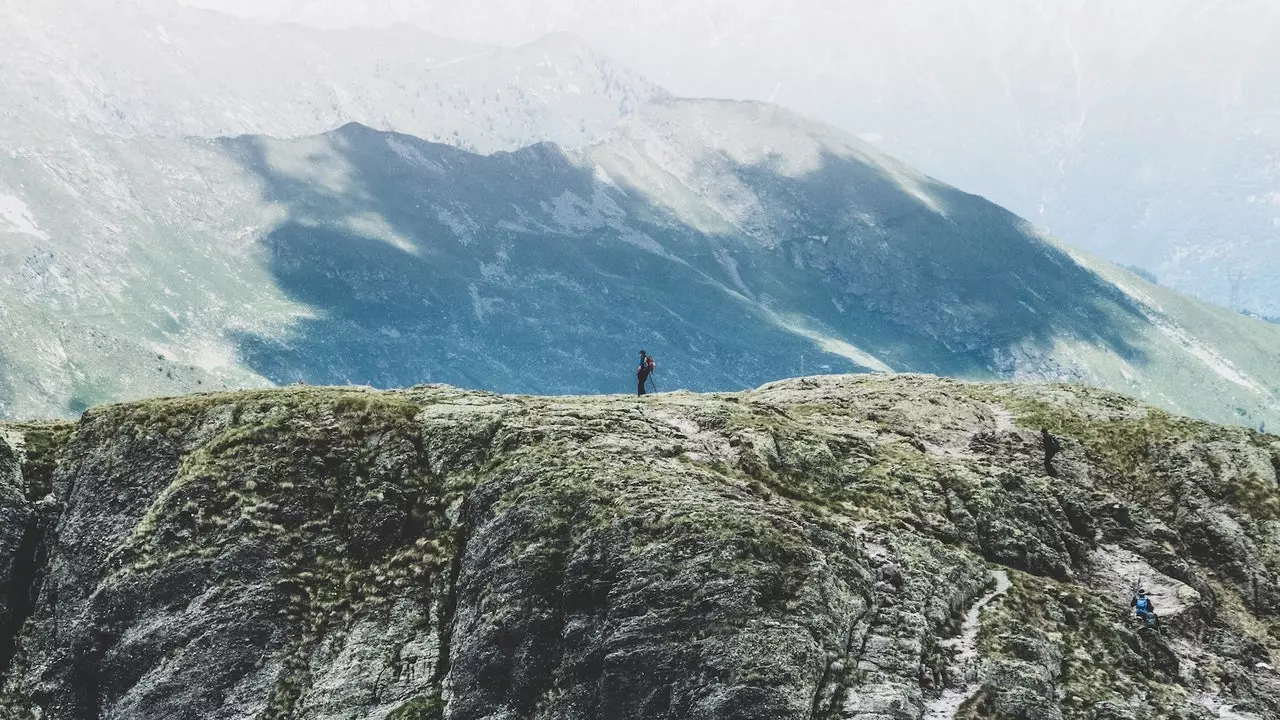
x=800 y=549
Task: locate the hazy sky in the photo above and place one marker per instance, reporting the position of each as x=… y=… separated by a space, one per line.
x=865 y=64
x=1038 y=76
x=1136 y=128
x=746 y=47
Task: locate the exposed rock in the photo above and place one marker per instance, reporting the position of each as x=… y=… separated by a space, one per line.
x=16 y=542
x=818 y=548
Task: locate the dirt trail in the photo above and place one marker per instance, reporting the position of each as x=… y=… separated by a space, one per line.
x=965 y=646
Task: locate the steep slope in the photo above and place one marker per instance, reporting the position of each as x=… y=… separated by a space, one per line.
x=1146 y=131
x=127 y=253
x=738 y=242
x=836 y=547
x=975 y=289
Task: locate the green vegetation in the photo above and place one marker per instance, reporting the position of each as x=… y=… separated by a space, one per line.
x=1140 y=449
x=1084 y=642
x=422 y=708
x=42 y=446
x=304 y=473
x=863 y=514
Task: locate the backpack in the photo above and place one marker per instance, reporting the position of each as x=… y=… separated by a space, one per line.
x=648 y=363
x=1142 y=605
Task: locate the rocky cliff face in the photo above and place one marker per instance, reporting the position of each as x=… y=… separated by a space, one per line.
x=840 y=547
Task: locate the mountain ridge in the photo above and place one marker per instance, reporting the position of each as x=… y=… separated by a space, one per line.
x=292 y=81
x=732 y=239
x=807 y=549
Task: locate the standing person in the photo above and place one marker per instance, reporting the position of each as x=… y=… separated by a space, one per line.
x=1052 y=446
x=642 y=372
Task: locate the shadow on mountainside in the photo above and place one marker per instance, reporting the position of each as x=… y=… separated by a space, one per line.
x=525 y=272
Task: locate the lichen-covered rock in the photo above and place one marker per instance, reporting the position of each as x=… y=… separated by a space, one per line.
x=818 y=548
x=16 y=547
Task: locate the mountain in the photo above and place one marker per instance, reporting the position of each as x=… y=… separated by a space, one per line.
x=1142 y=130
x=152 y=69
x=738 y=242
x=1145 y=131
x=835 y=547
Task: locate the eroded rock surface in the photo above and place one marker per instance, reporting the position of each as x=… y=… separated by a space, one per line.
x=817 y=548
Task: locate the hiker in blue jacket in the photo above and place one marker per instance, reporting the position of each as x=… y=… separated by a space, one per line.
x=1145 y=609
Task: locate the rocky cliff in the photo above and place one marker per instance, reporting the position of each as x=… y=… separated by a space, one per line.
x=837 y=547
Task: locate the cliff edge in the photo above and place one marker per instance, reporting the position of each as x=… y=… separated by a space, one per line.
x=835 y=547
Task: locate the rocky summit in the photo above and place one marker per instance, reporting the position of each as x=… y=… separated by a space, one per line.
x=868 y=547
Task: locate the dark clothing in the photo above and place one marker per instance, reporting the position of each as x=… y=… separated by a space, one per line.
x=642 y=373
x=1051 y=447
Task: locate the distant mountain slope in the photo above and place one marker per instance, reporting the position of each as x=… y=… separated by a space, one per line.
x=738 y=242
x=1146 y=131
x=977 y=289
x=130 y=69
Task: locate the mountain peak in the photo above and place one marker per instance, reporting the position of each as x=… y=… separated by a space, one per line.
x=210 y=75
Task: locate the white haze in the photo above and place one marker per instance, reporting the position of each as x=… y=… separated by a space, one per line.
x=1146 y=130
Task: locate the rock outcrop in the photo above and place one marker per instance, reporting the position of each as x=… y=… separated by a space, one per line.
x=835 y=547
